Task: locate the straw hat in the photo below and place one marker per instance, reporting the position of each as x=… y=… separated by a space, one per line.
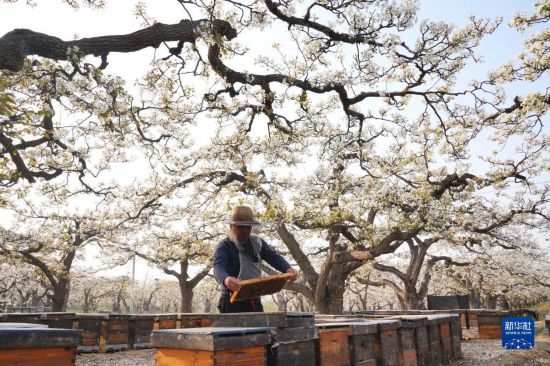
x=243 y=216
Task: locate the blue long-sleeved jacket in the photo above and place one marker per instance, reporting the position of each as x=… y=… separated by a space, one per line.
x=227 y=263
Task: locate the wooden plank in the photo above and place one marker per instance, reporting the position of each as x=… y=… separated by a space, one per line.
x=446 y=343
x=56 y=356
x=257 y=287
x=333 y=347
x=456 y=338
x=407 y=354
x=435 y=343
x=387 y=347
x=246 y=356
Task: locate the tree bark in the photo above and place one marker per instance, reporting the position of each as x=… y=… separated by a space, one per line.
x=332 y=301
x=16 y=45
x=186 y=293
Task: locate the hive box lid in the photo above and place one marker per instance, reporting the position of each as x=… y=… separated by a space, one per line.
x=274 y=319
x=39 y=337
x=22 y=325
x=354 y=328
x=100 y=316
x=411 y=321
x=211 y=338
x=386 y=324
x=143 y=316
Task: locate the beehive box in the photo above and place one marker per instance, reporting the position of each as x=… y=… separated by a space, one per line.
x=166 y=321
x=103 y=332
x=332 y=347
x=117 y=332
x=419 y=325
x=293 y=334
x=59 y=320
x=38 y=346
x=92 y=326
x=211 y=346
x=489 y=324
x=409 y=350
x=387 y=347
x=361 y=341
x=194 y=320
x=299 y=353
x=33 y=318
x=140 y=328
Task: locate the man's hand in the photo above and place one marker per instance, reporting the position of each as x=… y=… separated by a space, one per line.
x=232 y=283
x=294 y=274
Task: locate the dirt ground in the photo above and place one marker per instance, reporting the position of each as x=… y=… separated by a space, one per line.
x=475 y=352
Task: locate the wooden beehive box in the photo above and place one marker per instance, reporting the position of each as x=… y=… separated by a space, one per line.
x=293 y=334
x=332 y=347
x=33 y=318
x=38 y=346
x=300 y=353
x=361 y=340
x=140 y=328
x=194 y=320
x=257 y=287
x=419 y=327
x=166 y=321
x=117 y=332
x=489 y=324
x=59 y=320
x=410 y=350
x=211 y=346
x=387 y=345
x=92 y=326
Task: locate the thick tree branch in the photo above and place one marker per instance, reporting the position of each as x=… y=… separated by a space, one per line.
x=16 y=45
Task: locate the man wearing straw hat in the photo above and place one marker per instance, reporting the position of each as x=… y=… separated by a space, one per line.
x=238 y=257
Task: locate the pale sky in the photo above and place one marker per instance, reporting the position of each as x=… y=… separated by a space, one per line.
x=57 y=19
